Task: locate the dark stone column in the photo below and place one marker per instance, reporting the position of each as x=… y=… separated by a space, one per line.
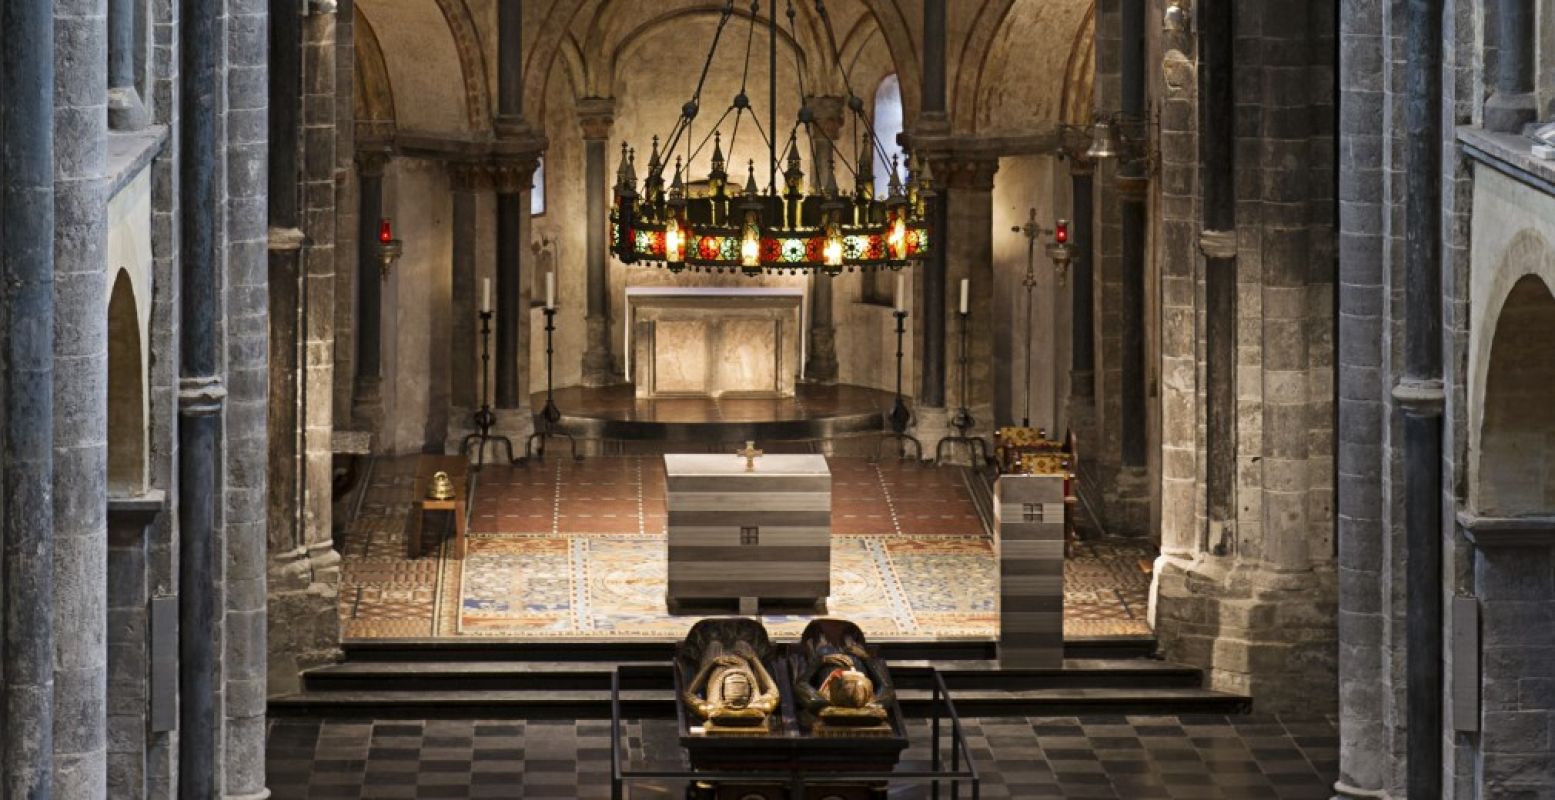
x=126 y=111
x=1420 y=396
x=510 y=311
x=80 y=398
x=934 y=59
x=1217 y=166
x=822 y=365
x=931 y=374
x=1133 y=188
x=596 y=115
x=465 y=354
x=370 y=164
x=1513 y=105
x=201 y=398
x=1082 y=382
x=27 y=392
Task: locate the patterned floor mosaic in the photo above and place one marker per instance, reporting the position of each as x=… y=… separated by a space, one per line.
x=576 y=549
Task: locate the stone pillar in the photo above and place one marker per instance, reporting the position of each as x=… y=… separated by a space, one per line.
x=1363 y=281
x=512 y=178
x=1513 y=103
x=129 y=653
x=932 y=122
x=822 y=352
x=934 y=30
x=1082 y=381
x=81 y=391
x=466 y=180
x=965 y=184
x=370 y=164
x=201 y=401
x=596 y=115
x=245 y=438
x=27 y=394
x=126 y=111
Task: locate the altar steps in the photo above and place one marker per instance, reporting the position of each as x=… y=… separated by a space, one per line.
x=575 y=689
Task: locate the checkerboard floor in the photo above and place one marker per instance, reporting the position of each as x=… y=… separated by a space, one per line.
x=1123 y=758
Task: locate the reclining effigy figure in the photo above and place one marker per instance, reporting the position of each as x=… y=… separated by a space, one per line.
x=732 y=691
x=839 y=686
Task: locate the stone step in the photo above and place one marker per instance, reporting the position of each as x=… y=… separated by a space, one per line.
x=659 y=704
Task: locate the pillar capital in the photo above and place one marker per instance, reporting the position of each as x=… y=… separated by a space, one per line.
x=595 y=116
x=828 y=111
x=372 y=160
x=469 y=176
x=512 y=174
x=960 y=171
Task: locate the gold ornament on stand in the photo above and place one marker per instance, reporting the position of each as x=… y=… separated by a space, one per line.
x=441 y=488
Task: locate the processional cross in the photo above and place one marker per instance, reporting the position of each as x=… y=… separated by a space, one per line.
x=751 y=454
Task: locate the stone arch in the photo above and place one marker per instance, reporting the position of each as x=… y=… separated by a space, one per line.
x=1077 y=104
x=126 y=392
x=1512 y=425
x=988 y=82
x=432 y=57
x=613 y=52
x=374 y=94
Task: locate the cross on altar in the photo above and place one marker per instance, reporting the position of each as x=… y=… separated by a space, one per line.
x=751 y=454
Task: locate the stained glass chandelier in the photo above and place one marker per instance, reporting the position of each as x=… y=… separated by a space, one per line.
x=722 y=226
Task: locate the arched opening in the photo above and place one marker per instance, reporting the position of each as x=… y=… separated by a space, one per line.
x=888 y=125
x=126 y=393
x=1517 y=436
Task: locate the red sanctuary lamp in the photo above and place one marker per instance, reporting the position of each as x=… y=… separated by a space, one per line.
x=1060 y=251
x=389 y=248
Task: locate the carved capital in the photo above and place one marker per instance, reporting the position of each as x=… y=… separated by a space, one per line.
x=513 y=174
x=965 y=172
x=595 y=116
x=828 y=112
x=371 y=160
x=469 y=176
x=1217 y=244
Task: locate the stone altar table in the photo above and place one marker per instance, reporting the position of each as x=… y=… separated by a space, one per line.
x=714 y=341
x=748 y=534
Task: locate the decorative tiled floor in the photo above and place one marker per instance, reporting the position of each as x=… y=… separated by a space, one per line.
x=576 y=549
x=1118 y=758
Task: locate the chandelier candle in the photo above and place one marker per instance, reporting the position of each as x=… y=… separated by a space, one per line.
x=901 y=292
x=964 y=283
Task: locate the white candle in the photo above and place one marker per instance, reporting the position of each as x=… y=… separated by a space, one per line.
x=964 y=283
x=485 y=294
x=901 y=292
x=550 y=290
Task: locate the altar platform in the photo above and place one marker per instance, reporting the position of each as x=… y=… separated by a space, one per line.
x=575 y=551
x=615 y=414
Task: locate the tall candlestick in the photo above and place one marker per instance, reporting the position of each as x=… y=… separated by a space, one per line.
x=964 y=283
x=901 y=292
x=550 y=290
x=485 y=294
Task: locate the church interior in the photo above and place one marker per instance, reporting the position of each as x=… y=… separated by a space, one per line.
x=777 y=399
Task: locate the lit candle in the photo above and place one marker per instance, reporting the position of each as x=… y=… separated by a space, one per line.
x=901 y=292
x=485 y=294
x=964 y=283
x=550 y=290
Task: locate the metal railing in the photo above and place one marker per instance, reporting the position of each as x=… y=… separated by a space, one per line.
x=798 y=779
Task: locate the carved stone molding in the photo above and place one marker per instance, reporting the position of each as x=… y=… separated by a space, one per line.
x=828 y=115
x=510 y=174
x=595 y=116
x=201 y=395
x=1217 y=244
x=964 y=172
x=372 y=160
x=469 y=176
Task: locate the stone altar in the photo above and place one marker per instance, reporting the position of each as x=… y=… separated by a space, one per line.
x=714 y=341
x=748 y=533
x=1029 y=510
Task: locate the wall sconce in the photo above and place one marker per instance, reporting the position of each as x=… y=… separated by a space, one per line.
x=389 y=248
x=1060 y=251
x=1175 y=18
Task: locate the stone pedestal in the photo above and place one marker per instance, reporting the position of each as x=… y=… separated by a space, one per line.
x=1030 y=531
x=762 y=532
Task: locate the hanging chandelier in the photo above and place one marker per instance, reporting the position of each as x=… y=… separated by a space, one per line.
x=783 y=229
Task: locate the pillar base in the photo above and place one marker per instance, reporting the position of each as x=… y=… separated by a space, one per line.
x=1508 y=113
x=1344 y=792
x=598 y=361
x=367 y=407
x=822 y=364
x=1256 y=631
x=304 y=614
x=126 y=112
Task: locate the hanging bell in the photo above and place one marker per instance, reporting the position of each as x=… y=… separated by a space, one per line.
x=441 y=488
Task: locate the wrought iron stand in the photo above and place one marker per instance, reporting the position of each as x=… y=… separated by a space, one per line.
x=545 y=426
x=485 y=418
x=963 y=421
x=900 y=416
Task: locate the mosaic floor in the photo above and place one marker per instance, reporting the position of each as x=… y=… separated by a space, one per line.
x=576 y=550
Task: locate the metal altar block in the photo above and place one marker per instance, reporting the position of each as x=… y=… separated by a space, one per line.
x=748 y=533
x=1030 y=543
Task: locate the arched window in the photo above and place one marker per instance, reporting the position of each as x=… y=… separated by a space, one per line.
x=537 y=190
x=888 y=124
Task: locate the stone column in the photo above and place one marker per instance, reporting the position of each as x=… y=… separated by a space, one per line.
x=596 y=115
x=244 y=658
x=370 y=164
x=966 y=195
x=1513 y=104
x=512 y=177
x=933 y=105
x=822 y=352
x=201 y=401
x=81 y=391
x=1082 y=380
x=126 y=111
x=466 y=180
x=1363 y=752
x=27 y=392
x=932 y=122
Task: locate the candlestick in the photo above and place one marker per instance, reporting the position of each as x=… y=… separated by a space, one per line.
x=964 y=283
x=485 y=418
x=550 y=290
x=485 y=294
x=547 y=421
x=900 y=416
